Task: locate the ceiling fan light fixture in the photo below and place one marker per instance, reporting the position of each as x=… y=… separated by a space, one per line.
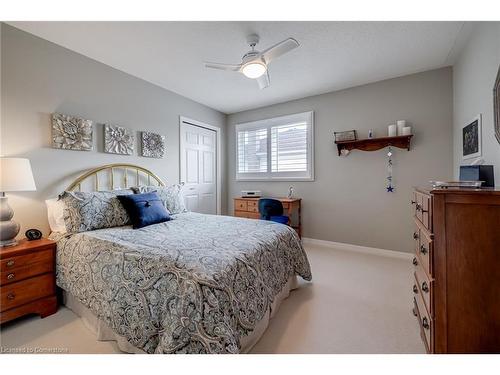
x=254 y=69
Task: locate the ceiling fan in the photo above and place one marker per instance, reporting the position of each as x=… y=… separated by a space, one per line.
x=254 y=63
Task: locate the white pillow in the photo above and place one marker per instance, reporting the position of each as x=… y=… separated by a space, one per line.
x=55 y=213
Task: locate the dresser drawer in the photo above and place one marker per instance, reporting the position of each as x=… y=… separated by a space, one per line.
x=22 y=292
x=13 y=263
x=426 y=323
x=423 y=208
x=252 y=208
x=426 y=210
x=252 y=204
x=240 y=205
x=253 y=215
x=425 y=286
x=241 y=214
x=21 y=273
x=424 y=251
x=416 y=238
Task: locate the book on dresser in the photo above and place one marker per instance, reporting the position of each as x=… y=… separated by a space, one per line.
x=27 y=279
x=456 y=290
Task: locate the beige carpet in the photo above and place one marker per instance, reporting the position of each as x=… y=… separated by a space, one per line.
x=356 y=303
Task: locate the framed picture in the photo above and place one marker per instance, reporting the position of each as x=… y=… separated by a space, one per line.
x=496 y=106
x=349 y=135
x=471 y=139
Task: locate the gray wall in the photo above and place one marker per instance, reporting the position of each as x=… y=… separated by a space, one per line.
x=39 y=77
x=474 y=74
x=348 y=202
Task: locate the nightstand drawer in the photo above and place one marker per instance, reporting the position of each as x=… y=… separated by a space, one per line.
x=22 y=292
x=21 y=273
x=9 y=264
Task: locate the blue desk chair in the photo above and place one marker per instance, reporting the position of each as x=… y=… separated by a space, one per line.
x=272 y=209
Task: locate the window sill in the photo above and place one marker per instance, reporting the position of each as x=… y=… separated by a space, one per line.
x=277 y=179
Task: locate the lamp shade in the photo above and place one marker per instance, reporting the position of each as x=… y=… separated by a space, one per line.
x=16 y=175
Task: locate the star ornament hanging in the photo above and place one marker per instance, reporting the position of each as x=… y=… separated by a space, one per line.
x=390 y=188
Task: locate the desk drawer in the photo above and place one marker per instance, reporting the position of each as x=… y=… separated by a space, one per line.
x=13 y=263
x=21 y=273
x=22 y=292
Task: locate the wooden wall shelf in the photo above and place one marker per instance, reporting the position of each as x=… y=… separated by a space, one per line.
x=373 y=144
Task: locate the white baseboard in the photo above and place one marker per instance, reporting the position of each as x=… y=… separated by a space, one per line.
x=357 y=248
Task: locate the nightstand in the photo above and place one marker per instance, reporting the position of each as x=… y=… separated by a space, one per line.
x=27 y=279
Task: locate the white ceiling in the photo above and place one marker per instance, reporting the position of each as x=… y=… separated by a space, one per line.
x=331 y=56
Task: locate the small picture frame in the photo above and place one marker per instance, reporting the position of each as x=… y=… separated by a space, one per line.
x=471 y=138
x=349 y=135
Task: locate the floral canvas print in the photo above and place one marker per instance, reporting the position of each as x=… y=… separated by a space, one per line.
x=118 y=140
x=71 y=132
x=153 y=145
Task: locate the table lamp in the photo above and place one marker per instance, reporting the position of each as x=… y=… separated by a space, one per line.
x=15 y=175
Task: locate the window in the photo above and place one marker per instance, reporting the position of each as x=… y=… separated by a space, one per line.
x=279 y=148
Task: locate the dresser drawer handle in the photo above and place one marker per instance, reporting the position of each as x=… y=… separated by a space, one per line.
x=10 y=276
x=10 y=263
x=415 y=289
x=415 y=235
x=425 y=287
x=425 y=323
x=415 y=261
x=424 y=211
x=11 y=296
x=414 y=311
x=423 y=250
x=413 y=202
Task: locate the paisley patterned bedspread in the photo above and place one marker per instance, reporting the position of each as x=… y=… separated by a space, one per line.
x=196 y=284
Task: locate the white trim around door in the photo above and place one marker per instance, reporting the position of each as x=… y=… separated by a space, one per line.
x=188 y=121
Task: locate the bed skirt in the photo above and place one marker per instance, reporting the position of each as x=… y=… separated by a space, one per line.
x=104 y=333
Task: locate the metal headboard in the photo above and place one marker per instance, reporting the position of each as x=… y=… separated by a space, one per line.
x=110 y=172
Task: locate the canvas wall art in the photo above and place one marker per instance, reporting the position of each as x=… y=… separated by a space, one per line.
x=71 y=132
x=152 y=145
x=118 y=140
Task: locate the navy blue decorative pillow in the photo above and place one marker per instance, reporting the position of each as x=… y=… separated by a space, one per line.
x=144 y=209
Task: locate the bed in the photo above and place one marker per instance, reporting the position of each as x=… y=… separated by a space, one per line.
x=196 y=284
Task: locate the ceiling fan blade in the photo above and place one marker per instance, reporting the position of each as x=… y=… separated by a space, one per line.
x=231 y=67
x=263 y=80
x=279 y=49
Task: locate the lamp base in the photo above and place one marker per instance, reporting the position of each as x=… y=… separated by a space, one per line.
x=8 y=228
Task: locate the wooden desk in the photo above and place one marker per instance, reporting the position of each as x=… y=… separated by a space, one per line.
x=249 y=208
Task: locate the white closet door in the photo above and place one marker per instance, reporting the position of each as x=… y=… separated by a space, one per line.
x=199 y=168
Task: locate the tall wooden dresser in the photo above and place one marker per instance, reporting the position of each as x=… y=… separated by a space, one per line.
x=456 y=291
